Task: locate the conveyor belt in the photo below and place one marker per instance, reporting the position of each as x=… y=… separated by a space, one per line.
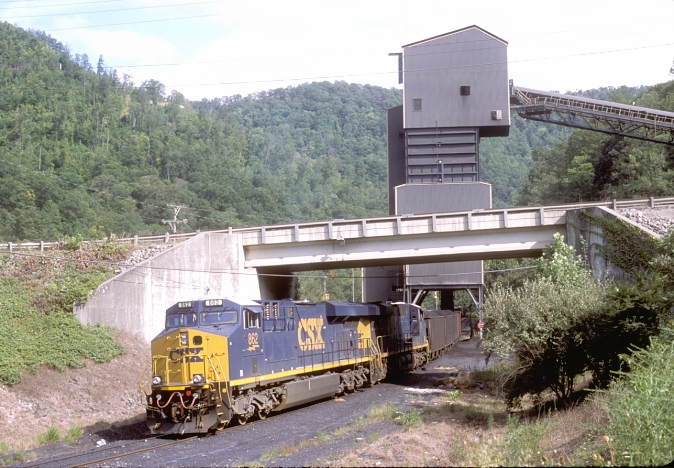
x=593 y=114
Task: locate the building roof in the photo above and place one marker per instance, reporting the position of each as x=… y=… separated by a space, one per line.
x=456 y=32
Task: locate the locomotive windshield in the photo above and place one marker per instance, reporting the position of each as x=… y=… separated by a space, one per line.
x=220 y=317
x=181 y=319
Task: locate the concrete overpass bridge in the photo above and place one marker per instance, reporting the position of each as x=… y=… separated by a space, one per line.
x=257 y=262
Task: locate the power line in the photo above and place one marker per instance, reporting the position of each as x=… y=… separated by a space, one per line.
x=182 y=18
x=351 y=75
x=116 y=9
x=51 y=6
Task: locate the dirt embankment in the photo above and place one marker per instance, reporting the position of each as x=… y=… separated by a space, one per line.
x=96 y=393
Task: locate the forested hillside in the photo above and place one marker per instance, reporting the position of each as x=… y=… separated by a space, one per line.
x=593 y=166
x=85 y=151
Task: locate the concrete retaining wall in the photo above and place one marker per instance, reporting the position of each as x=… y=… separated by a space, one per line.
x=578 y=228
x=210 y=264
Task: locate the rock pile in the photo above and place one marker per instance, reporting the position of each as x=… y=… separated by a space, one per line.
x=658 y=220
x=458 y=378
x=140 y=255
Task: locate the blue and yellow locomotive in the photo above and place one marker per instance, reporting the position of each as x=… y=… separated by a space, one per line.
x=219 y=361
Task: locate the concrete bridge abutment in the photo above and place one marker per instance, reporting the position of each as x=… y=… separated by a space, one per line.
x=135 y=301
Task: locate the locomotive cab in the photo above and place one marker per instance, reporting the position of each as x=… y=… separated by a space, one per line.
x=190 y=365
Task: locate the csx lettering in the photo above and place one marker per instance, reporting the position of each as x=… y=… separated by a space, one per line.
x=252 y=341
x=178 y=355
x=310 y=334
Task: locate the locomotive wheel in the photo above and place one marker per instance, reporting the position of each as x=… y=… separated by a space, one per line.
x=242 y=418
x=262 y=414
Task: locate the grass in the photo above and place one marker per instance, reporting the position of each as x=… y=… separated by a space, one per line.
x=72 y=434
x=474 y=429
x=4 y=448
x=375 y=415
x=50 y=436
x=18 y=457
x=37 y=325
x=639 y=430
x=409 y=419
x=454 y=395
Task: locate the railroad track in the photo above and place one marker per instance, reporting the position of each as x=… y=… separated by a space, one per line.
x=70 y=461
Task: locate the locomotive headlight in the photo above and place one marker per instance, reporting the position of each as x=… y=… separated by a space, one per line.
x=183 y=338
x=198 y=379
x=156 y=380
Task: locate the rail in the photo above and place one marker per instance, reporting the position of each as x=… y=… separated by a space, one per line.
x=363 y=227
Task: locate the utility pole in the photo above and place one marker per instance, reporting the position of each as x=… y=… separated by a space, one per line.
x=175 y=221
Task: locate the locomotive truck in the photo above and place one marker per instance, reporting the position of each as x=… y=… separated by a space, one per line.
x=218 y=361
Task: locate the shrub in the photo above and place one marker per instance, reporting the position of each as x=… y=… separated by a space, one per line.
x=639 y=406
x=71 y=242
x=563 y=324
x=532 y=324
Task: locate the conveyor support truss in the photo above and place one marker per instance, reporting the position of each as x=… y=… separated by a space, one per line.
x=593 y=114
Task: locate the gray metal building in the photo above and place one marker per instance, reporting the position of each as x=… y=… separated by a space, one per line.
x=455 y=92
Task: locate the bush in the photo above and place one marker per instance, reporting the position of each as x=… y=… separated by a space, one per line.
x=532 y=324
x=564 y=324
x=639 y=406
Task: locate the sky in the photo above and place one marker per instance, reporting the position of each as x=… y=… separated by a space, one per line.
x=217 y=48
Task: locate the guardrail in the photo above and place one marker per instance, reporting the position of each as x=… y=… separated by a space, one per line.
x=365 y=227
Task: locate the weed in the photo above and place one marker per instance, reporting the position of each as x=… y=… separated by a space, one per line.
x=280 y=452
x=8 y=460
x=321 y=437
x=341 y=432
x=444 y=408
x=72 y=434
x=50 y=334
x=454 y=395
x=3 y=448
x=372 y=437
x=490 y=421
x=475 y=415
x=52 y=435
x=512 y=420
x=640 y=413
x=20 y=456
x=525 y=439
x=381 y=413
x=409 y=419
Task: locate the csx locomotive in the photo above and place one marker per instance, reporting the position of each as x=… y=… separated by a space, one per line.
x=219 y=361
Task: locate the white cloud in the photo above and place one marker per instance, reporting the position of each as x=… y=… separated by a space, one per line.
x=265 y=43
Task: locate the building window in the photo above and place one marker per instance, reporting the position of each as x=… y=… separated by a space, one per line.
x=465 y=90
x=416 y=105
